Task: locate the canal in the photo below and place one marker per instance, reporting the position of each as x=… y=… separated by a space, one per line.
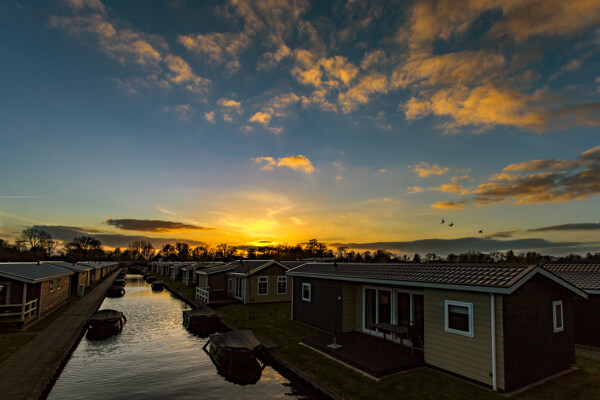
x=154 y=357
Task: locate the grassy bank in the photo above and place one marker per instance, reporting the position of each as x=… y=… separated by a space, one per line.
x=11 y=343
x=273 y=322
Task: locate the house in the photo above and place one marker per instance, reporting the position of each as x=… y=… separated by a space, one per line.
x=188 y=272
x=211 y=282
x=81 y=274
x=587 y=312
x=501 y=326
x=100 y=269
x=31 y=290
x=258 y=281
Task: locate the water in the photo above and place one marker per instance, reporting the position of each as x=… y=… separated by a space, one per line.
x=154 y=357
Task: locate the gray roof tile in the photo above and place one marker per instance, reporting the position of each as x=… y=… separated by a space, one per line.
x=583 y=276
x=32 y=272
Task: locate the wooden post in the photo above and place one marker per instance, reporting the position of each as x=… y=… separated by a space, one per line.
x=24 y=301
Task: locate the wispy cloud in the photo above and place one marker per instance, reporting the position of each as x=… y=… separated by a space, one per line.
x=568 y=227
x=298 y=163
x=152 y=225
x=184 y=112
x=424 y=170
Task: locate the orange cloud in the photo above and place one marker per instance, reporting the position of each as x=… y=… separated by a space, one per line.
x=260 y=117
x=425 y=170
x=218 y=48
x=229 y=103
x=298 y=163
x=449 y=205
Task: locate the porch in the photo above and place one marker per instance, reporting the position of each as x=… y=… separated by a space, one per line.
x=372 y=355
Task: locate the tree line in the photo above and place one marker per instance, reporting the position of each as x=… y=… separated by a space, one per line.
x=34 y=244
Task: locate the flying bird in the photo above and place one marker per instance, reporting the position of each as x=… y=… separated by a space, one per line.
x=451 y=224
x=443 y=220
x=481 y=231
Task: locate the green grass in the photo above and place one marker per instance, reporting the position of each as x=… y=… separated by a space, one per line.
x=11 y=343
x=273 y=322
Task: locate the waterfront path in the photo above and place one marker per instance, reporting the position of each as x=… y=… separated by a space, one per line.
x=26 y=374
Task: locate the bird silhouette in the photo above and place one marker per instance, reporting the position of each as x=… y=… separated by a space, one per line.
x=451 y=224
x=481 y=231
x=443 y=220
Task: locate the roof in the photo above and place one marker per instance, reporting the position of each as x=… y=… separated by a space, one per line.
x=249 y=267
x=32 y=272
x=70 y=266
x=585 y=276
x=97 y=264
x=292 y=264
x=503 y=279
x=219 y=268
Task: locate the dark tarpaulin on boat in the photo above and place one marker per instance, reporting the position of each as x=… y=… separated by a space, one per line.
x=243 y=339
x=200 y=312
x=107 y=314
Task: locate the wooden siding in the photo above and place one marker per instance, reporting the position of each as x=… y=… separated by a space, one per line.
x=470 y=357
x=271 y=297
x=587 y=321
x=324 y=310
x=218 y=281
x=202 y=280
x=532 y=350
x=50 y=300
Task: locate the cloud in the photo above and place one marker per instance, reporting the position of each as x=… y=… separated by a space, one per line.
x=129 y=46
x=275 y=107
x=503 y=234
x=218 y=48
x=261 y=118
x=450 y=205
x=463 y=245
x=184 y=112
x=229 y=103
x=151 y=225
x=210 y=116
x=568 y=227
x=67 y=234
x=425 y=170
x=539 y=181
x=298 y=163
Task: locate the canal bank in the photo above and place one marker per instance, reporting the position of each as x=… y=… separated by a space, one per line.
x=26 y=374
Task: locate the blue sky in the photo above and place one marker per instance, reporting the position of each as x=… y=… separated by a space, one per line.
x=275 y=122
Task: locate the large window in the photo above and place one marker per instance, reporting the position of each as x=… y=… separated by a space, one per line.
x=557 y=316
x=263 y=285
x=459 y=317
x=230 y=283
x=306 y=292
x=239 y=288
x=281 y=284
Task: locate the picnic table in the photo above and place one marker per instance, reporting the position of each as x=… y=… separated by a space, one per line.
x=386 y=327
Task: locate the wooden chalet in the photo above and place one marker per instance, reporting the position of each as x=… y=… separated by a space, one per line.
x=587 y=311
x=31 y=290
x=81 y=275
x=258 y=281
x=502 y=326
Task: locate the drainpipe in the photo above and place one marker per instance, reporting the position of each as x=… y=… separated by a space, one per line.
x=493 y=317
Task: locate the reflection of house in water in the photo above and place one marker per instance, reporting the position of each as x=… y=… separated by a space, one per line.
x=502 y=326
x=31 y=290
x=587 y=312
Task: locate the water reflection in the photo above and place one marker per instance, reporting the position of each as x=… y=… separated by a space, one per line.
x=154 y=357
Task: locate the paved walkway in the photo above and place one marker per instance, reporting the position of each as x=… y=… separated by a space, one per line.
x=25 y=374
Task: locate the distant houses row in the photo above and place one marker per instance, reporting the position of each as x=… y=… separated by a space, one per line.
x=504 y=326
x=31 y=290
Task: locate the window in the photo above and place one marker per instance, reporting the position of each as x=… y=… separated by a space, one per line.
x=239 y=289
x=459 y=317
x=51 y=284
x=557 y=316
x=230 y=284
x=306 y=291
x=58 y=284
x=281 y=284
x=263 y=287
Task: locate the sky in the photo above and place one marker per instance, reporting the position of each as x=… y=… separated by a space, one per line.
x=424 y=126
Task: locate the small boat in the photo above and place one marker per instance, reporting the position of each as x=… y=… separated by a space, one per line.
x=119 y=282
x=115 y=291
x=151 y=279
x=105 y=323
x=201 y=321
x=158 y=286
x=234 y=354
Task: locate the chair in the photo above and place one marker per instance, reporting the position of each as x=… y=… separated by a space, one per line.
x=415 y=337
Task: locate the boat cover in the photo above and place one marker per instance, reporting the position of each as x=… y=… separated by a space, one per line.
x=200 y=312
x=107 y=314
x=243 y=339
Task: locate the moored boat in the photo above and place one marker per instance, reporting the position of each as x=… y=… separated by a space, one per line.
x=105 y=323
x=115 y=291
x=119 y=282
x=234 y=353
x=158 y=285
x=151 y=279
x=201 y=321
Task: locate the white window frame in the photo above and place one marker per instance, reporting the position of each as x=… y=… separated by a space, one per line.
x=469 y=306
x=309 y=286
x=265 y=280
x=562 y=316
x=57 y=283
x=281 y=279
x=51 y=285
x=230 y=283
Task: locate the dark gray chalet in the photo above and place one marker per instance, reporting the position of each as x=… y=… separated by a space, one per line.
x=587 y=312
x=503 y=326
x=30 y=290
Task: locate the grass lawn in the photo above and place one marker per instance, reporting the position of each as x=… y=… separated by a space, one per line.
x=11 y=343
x=273 y=322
